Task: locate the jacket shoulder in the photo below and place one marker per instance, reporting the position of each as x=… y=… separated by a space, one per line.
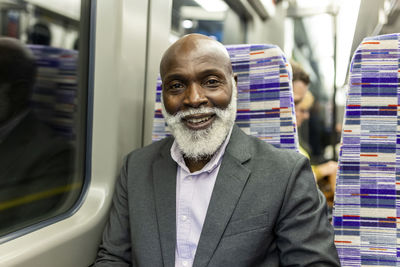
x=278 y=156
x=148 y=153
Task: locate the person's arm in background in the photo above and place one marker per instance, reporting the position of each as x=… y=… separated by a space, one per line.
x=322 y=170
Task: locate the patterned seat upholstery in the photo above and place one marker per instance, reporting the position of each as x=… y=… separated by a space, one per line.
x=367 y=210
x=265 y=96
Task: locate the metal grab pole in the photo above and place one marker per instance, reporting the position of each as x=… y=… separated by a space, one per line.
x=333 y=126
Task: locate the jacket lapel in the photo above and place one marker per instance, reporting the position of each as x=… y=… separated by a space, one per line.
x=229 y=185
x=164 y=170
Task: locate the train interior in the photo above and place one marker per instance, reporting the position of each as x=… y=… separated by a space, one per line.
x=93 y=99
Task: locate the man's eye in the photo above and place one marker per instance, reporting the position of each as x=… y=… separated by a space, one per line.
x=212 y=82
x=175 y=86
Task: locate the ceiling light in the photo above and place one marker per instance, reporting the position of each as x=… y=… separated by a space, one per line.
x=187 y=24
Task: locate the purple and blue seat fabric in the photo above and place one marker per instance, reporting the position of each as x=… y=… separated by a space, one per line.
x=265 y=96
x=366 y=214
x=54 y=97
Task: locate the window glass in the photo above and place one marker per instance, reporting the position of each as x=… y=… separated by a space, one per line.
x=213 y=18
x=41 y=106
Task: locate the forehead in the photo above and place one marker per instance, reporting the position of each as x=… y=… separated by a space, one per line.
x=193 y=57
x=194 y=62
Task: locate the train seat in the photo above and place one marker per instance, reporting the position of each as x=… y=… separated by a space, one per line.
x=265 y=96
x=366 y=213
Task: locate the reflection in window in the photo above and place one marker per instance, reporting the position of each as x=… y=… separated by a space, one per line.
x=39 y=96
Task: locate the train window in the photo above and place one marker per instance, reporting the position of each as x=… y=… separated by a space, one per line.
x=213 y=18
x=42 y=106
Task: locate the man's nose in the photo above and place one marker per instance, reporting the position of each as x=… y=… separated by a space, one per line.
x=195 y=96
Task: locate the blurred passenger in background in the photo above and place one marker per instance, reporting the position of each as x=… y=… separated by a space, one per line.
x=303 y=113
x=324 y=173
x=39 y=34
x=35 y=163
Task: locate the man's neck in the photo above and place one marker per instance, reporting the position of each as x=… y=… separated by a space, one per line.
x=196 y=165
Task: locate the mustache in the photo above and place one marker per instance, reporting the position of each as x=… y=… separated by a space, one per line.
x=194 y=111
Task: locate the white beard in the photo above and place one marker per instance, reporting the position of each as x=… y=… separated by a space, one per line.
x=198 y=144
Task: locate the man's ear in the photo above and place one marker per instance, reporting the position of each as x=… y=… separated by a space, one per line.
x=235 y=77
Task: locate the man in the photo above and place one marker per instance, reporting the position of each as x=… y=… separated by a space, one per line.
x=211 y=195
x=36 y=165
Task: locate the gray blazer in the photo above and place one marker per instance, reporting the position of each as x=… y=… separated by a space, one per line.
x=265 y=210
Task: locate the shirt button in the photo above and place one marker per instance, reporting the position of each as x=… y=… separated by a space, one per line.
x=185 y=263
x=183 y=217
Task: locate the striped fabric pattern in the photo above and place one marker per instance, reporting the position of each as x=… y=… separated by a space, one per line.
x=265 y=96
x=366 y=213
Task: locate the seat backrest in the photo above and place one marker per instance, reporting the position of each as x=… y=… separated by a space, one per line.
x=54 y=97
x=265 y=96
x=366 y=211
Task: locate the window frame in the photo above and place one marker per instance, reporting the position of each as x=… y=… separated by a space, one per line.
x=85 y=72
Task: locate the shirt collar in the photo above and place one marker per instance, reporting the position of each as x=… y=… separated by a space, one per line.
x=177 y=156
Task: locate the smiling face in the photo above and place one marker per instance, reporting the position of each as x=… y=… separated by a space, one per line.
x=196 y=72
x=197 y=84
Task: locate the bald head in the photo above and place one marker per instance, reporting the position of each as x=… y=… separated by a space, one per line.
x=195 y=44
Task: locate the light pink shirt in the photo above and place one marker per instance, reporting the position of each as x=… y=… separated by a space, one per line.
x=193 y=194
